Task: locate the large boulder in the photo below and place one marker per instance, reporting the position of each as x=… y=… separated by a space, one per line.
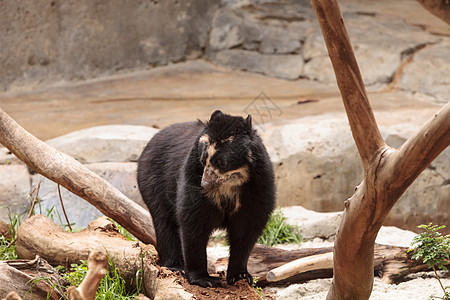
x=318 y=166
x=316 y=162
x=428 y=72
x=112 y=143
x=109 y=151
x=80 y=212
x=14 y=188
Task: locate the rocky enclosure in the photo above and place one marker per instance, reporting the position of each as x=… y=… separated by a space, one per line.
x=50 y=41
x=316 y=165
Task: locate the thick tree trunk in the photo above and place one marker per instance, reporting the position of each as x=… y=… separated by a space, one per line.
x=75 y=177
x=387 y=172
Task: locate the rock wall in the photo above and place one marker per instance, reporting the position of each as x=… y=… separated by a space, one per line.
x=51 y=40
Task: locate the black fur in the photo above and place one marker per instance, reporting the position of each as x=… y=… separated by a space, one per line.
x=196 y=177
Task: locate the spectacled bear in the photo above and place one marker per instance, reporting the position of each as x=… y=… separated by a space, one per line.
x=196 y=177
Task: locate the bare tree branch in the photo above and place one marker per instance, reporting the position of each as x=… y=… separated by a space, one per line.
x=388 y=172
x=75 y=177
x=362 y=121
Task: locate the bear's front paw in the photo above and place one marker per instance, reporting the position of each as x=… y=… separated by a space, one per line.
x=233 y=278
x=204 y=281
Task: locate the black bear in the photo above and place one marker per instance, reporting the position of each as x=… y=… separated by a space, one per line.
x=196 y=177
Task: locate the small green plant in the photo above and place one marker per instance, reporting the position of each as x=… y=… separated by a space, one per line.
x=8 y=242
x=278 y=232
x=257 y=288
x=433 y=249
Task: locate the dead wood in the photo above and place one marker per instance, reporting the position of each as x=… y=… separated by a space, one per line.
x=316 y=262
x=97 y=264
x=387 y=172
x=38 y=235
x=25 y=278
x=439 y=8
x=75 y=177
x=392 y=263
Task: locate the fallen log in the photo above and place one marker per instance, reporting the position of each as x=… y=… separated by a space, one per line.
x=22 y=278
x=38 y=235
x=392 y=263
x=75 y=177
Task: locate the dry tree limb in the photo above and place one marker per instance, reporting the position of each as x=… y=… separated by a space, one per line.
x=316 y=262
x=97 y=264
x=38 y=235
x=392 y=263
x=24 y=278
x=387 y=172
x=75 y=177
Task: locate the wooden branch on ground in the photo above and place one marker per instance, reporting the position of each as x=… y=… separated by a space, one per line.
x=75 y=177
x=22 y=278
x=97 y=264
x=316 y=262
x=38 y=235
x=387 y=172
x=392 y=263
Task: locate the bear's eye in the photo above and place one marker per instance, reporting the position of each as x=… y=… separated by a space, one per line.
x=222 y=164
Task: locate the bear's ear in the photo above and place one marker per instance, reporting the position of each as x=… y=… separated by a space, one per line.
x=215 y=114
x=248 y=121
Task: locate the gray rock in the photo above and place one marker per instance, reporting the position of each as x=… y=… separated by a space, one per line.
x=428 y=72
x=427 y=198
x=226 y=30
x=380 y=48
x=48 y=40
x=113 y=143
x=313 y=224
x=122 y=176
x=80 y=212
x=317 y=166
x=14 y=188
x=284 y=66
x=316 y=162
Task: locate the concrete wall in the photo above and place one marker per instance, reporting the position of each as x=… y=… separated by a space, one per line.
x=51 y=40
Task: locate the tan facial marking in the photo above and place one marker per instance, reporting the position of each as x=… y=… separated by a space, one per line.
x=229 y=187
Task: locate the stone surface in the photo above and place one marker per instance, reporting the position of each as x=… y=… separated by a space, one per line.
x=313 y=224
x=316 y=162
x=380 y=47
x=427 y=198
x=46 y=40
x=284 y=66
x=113 y=143
x=80 y=212
x=428 y=72
x=14 y=188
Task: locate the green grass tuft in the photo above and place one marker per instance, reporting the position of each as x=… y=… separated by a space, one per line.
x=277 y=231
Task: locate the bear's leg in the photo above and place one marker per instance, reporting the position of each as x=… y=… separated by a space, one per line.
x=242 y=237
x=195 y=234
x=168 y=243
